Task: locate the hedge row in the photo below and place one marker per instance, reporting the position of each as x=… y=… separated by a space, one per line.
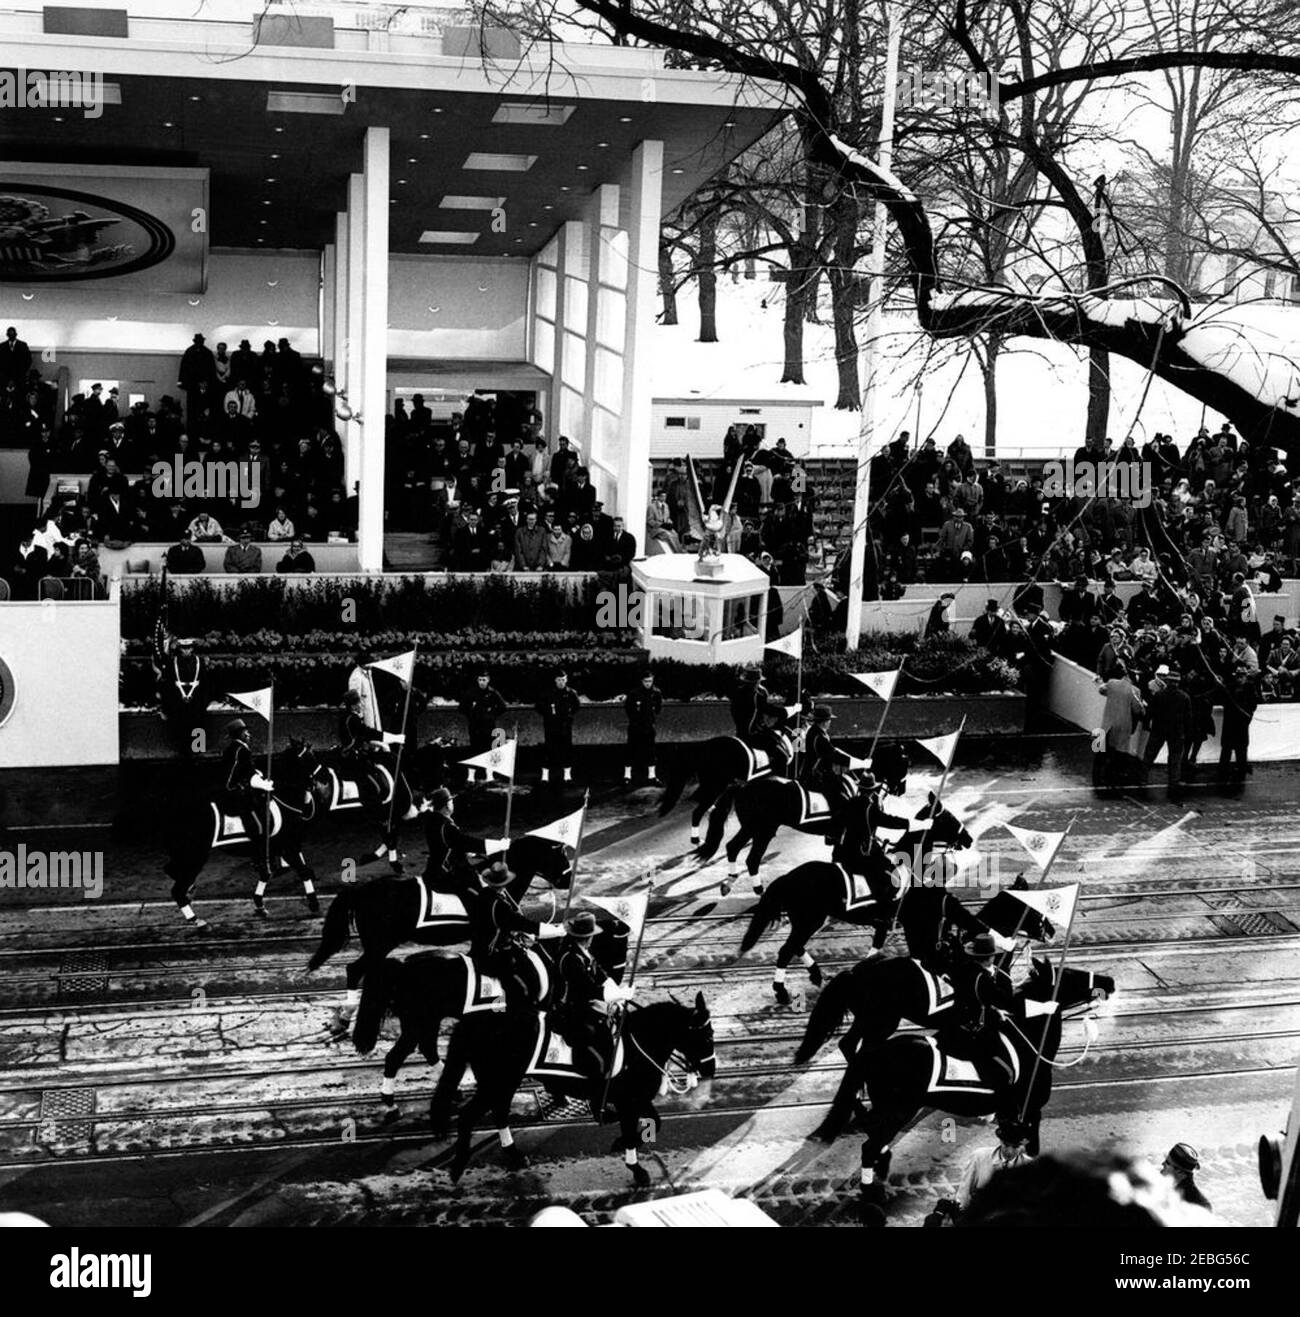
x=938 y=666
x=414 y=603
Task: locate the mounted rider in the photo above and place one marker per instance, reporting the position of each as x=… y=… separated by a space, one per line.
x=757 y=712
x=583 y=997
x=500 y=931
x=982 y=993
x=356 y=737
x=826 y=768
x=859 y=849
x=450 y=848
x=240 y=778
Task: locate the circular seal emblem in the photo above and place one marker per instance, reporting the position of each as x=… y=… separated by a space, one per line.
x=7 y=692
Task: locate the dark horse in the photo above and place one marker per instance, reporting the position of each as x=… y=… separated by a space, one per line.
x=432 y=986
x=503 y=1050
x=881 y=994
x=763 y=805
x=719 y=763
x=911 y=1073
x=202 y=827
x=389 y=911
x=818 y=891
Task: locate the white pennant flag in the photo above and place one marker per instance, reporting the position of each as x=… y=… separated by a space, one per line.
x=1042 y=846
x=258 y=701
x=499 y=760
x=942 y=747
x=1054 y=903
x=630 y=910
x=567 y=831
x=401 y=666
x=791 y=644
x=883 y=683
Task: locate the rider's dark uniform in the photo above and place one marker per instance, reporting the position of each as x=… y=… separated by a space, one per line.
x=748 y=705
x=496 y=924
x=355 y=735
x=580 y=983
x=448 y=849
x=235 y=795
x=971 y=1030
x=857 y=849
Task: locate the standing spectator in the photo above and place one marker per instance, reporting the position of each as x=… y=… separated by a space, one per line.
x=482 y=707
x=559 y=546
x=989 y=630
x=558 y=707
x=956 y=538
x=15 y=359
x=644 y=703
x=530 y=545
x=622 y=547
x=1039 y=658
x=29 y=566
x=937 y=623
x=562 y=460
x=1169 y=714
x=1239 y=705
x=1119 y=720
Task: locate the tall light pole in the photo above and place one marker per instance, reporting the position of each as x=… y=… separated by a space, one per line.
x=875 y=320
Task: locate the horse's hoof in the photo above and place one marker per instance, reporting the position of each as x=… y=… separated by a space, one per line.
x=457 y=1168
x=872 y=1196
x=391 y=1115
x=313 y=905
x=823 y=1134
x=640 y=1176
x=781 y=993
x=516 y=1159
x=200 y=926
x=871 y=1214
x=259 y=909
x=388 y=1099
x=815 y=974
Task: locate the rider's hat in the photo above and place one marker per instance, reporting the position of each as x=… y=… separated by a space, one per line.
x=583 y=924
x=1183 y=1156
x=440 y=798
x=236 y=725
x=983 y=947
x=496 y=874
x=821 y=714
x=749 y=675
x=352 y=697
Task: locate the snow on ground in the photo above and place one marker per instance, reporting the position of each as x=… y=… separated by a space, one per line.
x=1042 y=387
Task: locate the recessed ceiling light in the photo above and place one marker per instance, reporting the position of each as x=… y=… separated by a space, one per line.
x=547 y=114
x=279 y=130
x=401 y=180
x=728 y=123
x=679 y=171
x=166 y=124
x=455 y=236
x=424 y=137
x=471 y=203
x=626 y=118
x=548 y=206
x=196 y=98
x=437 y=109
x=563 y=188
x=411 y=160
x=266 y=203
x=602 y=143
x=261 y=221
x=275 y=155
x=519 y=240
x=270 y=180
x=583 y=167
x=58 y=118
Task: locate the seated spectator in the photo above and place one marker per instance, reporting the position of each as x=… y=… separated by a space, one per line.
x=85 y=566
x=206 y=529
x=503 y=558
x=244 y=558
x=297 y=559
x=1143 y=567
x=185 y=558
x=281 y=528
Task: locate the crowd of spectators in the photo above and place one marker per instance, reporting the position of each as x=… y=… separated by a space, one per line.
x=486 y=486
x=265 y=411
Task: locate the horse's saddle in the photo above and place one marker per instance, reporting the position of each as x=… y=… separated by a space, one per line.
x=951 y=1073
x=439 y=909
x=553 y=1056
x=940 y=994
x=857 y=892
x=814 y=806
x=759 y=761
x=229 y=830
x=345 y=791
x=485 y=993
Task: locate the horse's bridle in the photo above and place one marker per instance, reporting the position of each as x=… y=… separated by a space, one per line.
x=679 y=1060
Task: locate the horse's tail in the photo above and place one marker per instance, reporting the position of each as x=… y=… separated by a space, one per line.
x=718 y=822
x=827 y=1016
x=336 y=933
x=682 y=771
x=377 y=989
x=765 y=913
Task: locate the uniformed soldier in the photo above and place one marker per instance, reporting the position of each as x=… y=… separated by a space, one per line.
x=557 y=708
x=583 y=995
x=240 y=778
x=644 y=704
x=449 y=847
x=482 y=706
x=184 y=689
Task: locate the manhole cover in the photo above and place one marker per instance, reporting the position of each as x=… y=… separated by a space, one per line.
x=63 y=1112
x=82 y=973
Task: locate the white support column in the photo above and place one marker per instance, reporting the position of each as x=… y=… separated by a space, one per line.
x=349 y=378
x=329 y=291
x=643 y=267
x=372 y=401
x=338 y=364
x=602 y=221
x=570 y=264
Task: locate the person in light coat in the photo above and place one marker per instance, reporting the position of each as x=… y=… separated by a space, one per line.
x=1124 y=710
